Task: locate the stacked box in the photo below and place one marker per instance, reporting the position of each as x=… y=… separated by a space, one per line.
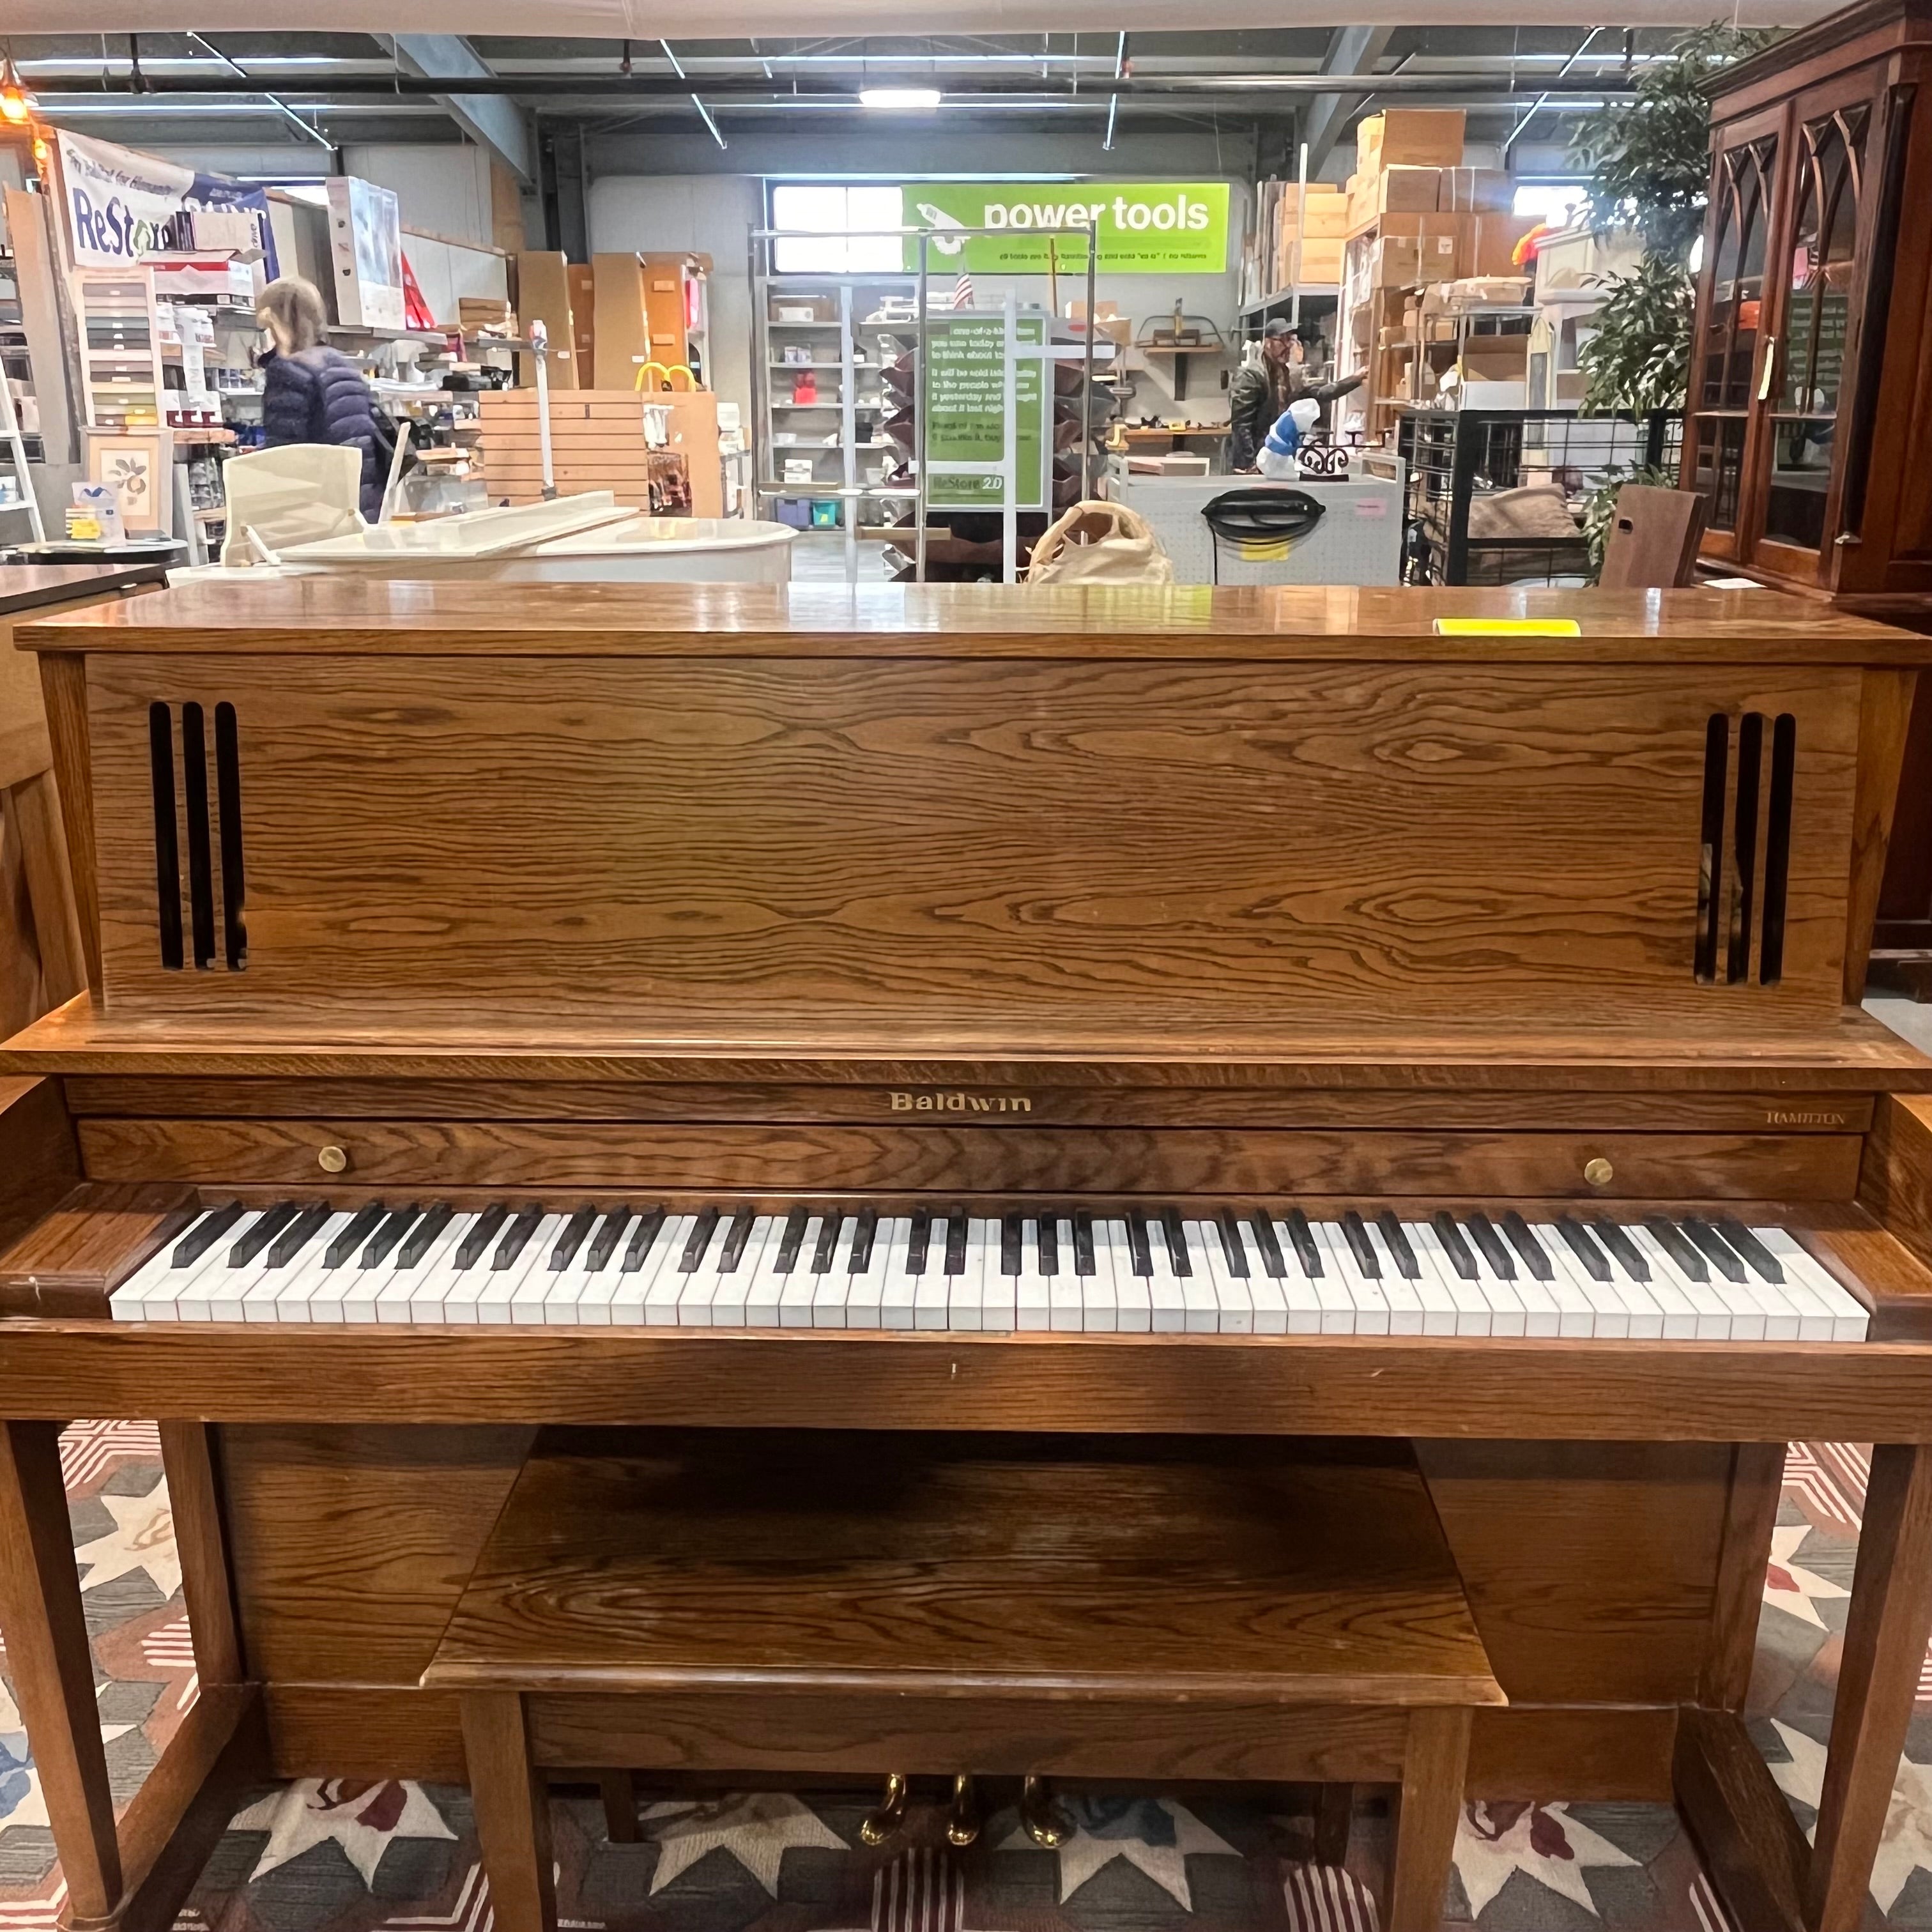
x=1493 y=239
x=1476 y=191
x=1409 y=137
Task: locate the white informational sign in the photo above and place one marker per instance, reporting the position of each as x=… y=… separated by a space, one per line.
x=121 y=205
x=365 y=237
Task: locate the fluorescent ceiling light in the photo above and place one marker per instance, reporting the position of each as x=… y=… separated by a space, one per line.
x=906 y=99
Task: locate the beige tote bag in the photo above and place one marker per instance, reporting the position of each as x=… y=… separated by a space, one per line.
x=1097 y=542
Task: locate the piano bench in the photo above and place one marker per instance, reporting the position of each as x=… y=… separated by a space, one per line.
x=822 y=1602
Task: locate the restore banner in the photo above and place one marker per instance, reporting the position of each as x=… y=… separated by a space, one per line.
x=967 y=402
x=1167 y=228
x=122 y=205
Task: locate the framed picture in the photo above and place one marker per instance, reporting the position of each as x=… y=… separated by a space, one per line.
x=136 y=465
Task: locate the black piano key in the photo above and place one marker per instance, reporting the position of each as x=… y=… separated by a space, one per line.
x=425 y=1232
x=1274 y=1263
x=205 y=1233
x=863 y=1235
x=1630 y=1257
x=263 y=1229
x=575 y=1231
x=644 y=1238
x=955 y=1241
x=353 y=1237
x=517 y=1237
x=697 y=1241
x=791 y=1238
x=1715 y=1248
x=1307 y=1248
x=1138 y=1244
x=1766 y=1264
x=919 y=1237
x=1670 y=1238
x=297 y=1235
x=604 y=1243
x=826 y=1245
x=1577 y=1238
x=1232 y=1246
x=1013 y=1243
x=737 y=1234
x=1482 y=1231
x=394 y=1225
x=1461 y=1257
x=1177 y=1241
x=1357 y=1236
x=1407 y=1266
x=475 y=1244
x=1541 y=1267
x=1083 y=1242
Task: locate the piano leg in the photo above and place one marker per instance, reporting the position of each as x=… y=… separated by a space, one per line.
x=1334 y=1812
x=52 y=1670
x=1434 y=1773
x=619 y=1790
x=1889 y=1623
x=512 y=1808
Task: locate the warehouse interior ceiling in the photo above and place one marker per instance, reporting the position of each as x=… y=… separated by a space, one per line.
x=1238 y=98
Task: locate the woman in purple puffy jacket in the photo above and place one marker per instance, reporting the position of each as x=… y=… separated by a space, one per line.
x=312 y=393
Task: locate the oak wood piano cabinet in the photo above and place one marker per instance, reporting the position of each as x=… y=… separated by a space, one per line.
x=1195 y=1041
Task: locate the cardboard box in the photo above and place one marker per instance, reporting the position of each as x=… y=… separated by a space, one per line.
x=1392 y=191
x=1320 y=262
x=1493 y=241
x=1410 y=137
x=1476 y=191
x=1395 y=262
x=1442 y=242
x=1327 y=217
x=1495 y=358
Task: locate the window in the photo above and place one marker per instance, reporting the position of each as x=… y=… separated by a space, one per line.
x=835 y=217
x=1553 y=202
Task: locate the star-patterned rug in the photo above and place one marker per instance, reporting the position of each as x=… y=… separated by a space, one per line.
x=342 y=1856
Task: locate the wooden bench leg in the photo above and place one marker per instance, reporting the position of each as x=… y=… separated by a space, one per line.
x=1334 y=1812
x=620 y=1807
x=512 y=1809
x=1435 y=1770
x=53 y=1668
x=1886 y=1629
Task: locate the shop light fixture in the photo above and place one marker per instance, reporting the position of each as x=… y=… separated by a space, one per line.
x=16 y=103
x=905 y=100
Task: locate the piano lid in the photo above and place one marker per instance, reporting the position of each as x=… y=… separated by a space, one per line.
x=341 y=616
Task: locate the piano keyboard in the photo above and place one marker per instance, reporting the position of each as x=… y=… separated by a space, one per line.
x=1253 y=1271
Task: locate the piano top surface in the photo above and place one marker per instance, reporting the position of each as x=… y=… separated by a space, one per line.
x=332 y=616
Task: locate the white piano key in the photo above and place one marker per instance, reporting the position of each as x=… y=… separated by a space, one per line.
x=733 y=1289
x=1268 y=1295
x=149 y=1293
x=1747 y=1312
x=1660 y=1309
x=529 y=1275
x=1420 y=1307
x=1365 y=1296
x=834 y=1284
x=1133 y=1294
x=1035 y=1294
x=1577 y=1313
x=898 y=1287
x=1301 y=1291
x=1166 y=1297
x=999 y=1292
x=1782 y=1311
x=1510 y=1314
x=1710 y=1313
x=865 y=1291
x=798 y=1289
x=630 y=1300
x=1200 y=1300
x=1335 y=1304
x=212 y=1284
x=965 y=1291
x=1609 y=1313
x=1099 y=1296
x=415 y=1294
x=302 y=1277
x=931 y=1286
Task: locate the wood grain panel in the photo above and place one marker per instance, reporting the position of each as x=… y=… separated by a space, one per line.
x=1329 y=622
x=40 y=1160
x=1620 y=1754
x=1750 y=1843
x=64 y=688
x=580 y=1154
x=1885 y=716
x=349 y=1546
x=692 y=843
x=787 y=1102
x=1895 y=1181
x=70 y=1260
x=1590 y=1567
x=802 y=1733
x=1322 y=1385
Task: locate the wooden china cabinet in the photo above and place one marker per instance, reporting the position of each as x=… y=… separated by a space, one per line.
x=1809 y=425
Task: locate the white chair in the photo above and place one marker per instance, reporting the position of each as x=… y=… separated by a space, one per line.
x=300 y=493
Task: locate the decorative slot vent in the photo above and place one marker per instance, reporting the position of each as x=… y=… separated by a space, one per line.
x=191 y=803
x=1750 y=905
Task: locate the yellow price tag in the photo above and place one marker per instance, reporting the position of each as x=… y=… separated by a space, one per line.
x=1508 y=627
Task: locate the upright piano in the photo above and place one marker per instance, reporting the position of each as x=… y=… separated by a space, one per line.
x=968 y=1183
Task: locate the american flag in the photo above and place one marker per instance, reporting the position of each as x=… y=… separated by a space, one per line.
x=962 y=292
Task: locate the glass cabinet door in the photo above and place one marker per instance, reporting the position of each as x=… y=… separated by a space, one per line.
x=1724 y=358
x=1803 y=380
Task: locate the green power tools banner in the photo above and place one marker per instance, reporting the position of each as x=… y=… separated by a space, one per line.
x=1167 y=228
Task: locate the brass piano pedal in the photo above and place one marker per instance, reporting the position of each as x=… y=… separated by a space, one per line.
x=962 y=1823
x=1043 y=1820
x=881 y=1826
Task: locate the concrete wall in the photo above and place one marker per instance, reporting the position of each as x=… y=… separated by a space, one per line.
x=443 y=189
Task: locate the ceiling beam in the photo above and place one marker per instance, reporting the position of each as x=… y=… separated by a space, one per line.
x=1352 y=50
x=490 y=118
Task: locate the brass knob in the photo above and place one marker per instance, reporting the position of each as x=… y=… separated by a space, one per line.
x=1598 y=1172
x=332 y=1159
